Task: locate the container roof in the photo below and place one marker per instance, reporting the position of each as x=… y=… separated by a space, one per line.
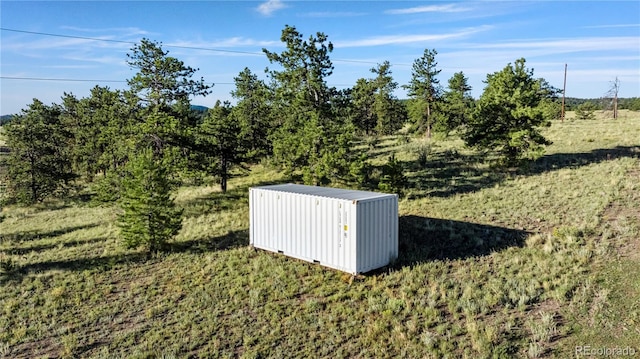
x=337 y=193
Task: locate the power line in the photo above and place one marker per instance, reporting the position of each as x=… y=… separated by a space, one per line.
x=134 y=43
x=126 y=42
x=173 y=46
x=55 y=79
x=101 y=81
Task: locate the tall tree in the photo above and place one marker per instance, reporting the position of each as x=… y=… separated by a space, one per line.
x=458 y=103
x=164 y=84
x=149 y=216
x=508 y=115
x=375 y=108
x=162 y=80
x=222 y=136
x=384 y=102
x=309 y=135
x=424 y=87
x=305 y=65
x=101 y=127
x=253 y=110
x=363 y=101
x=39 y=162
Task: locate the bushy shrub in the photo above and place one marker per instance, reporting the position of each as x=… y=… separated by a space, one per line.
x=586 y=111
x=423 y=151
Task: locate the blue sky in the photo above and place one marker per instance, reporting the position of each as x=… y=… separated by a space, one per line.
x=599 y=40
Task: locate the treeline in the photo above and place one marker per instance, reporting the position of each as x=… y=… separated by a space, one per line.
x=602 y=103
x=135 y=146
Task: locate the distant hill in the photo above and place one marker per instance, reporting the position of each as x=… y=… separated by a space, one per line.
x=199 y=108
x=5 y=119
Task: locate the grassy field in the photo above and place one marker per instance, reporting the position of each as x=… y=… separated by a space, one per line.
x=493 y=263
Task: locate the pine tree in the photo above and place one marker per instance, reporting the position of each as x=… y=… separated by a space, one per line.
x=585 y=111
x=375 y=110
x=363 y=99
x=164 y=86
x=509 y=114
x=310 y=134
x=457 y=103
x=424 y=87
x=39 y=160
x=360 y=171
x=222 y=140
x=101 y=126
x=162 y=80
x=393 y=179
x=384 y=102
x=254 y=112
x=149 y=215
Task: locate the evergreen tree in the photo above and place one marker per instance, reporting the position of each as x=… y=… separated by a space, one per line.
x=360 y=171
x=424 y=88
x=363 y=102
x=342 y=104
x=222 y=137
x=393 y=179
x=508 y=115
x=164 y=85
x=253 y=110
x=101 y=130
x=309 y=135
x=375 y=108
x=39 y=163
x=585 y=111
x=457 y=103
x=149 y=216
x=162 y=80
x=384 y=102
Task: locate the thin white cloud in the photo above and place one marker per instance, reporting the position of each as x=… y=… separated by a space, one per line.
x=611 y=26
x=448 y=8
x=232 y=42
x=130 y=31
x=408 y=39
x=73 y=67
x=615 y=58
x=105 y=60
x=569 y=45
x=331 y=14
x=60 y=43
x=270 y=6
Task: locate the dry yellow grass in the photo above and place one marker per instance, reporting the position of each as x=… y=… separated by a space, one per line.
x=492 y=264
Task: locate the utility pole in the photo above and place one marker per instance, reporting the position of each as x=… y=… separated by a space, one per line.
x=564 y=92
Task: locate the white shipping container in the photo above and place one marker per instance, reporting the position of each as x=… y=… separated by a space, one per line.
x=352 y=231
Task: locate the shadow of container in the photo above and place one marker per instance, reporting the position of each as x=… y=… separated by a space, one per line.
x=423 y=239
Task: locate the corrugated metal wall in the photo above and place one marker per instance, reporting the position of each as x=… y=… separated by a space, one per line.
x=349 y=235
x=377 y=238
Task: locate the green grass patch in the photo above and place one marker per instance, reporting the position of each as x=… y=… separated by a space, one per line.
x=493 y=263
